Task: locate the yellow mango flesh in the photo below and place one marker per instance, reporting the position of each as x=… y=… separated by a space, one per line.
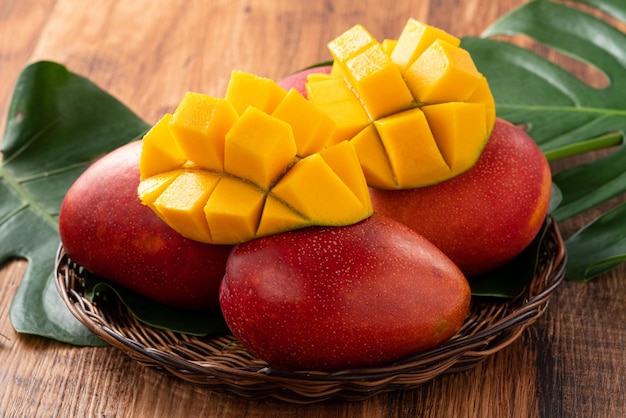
x=482 y=94
x=278 y=216
x=411 y=147
x=399 y=114
x=259 y=148
x=181 y=205
x=389 y=45
x=226 y=171
x=151 y=187
x=373 y=159
x=327 y=197
x=337 y=71
x=394 y=82
x=350 y=43
x=415 y=38
x=319 y=77
x=197 y=118
x=310 y=134
x=233 y=210
x=245 y=89
x=161 y=150
x=343 y=160
x=461 y=129
x=443 y=73
x=335 y=98
x=369 y=71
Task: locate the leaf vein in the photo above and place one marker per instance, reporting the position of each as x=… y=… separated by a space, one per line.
x=567 y=109
x=12 y=213
x=27 y=200
x=49 y=173
x=7 y=160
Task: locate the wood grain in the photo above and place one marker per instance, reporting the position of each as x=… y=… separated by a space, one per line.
x=571 y=363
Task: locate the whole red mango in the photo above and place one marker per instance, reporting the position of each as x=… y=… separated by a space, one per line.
x=486 y=216
x=105 y=228
x=328 y=298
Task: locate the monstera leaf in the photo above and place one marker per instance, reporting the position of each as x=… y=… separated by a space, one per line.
x=57 y=124
x=565 y=115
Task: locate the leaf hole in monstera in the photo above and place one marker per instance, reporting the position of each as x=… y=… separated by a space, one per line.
x=611 y=15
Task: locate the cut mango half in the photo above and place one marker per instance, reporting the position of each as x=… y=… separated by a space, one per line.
x=416 y=109
x=258 y=162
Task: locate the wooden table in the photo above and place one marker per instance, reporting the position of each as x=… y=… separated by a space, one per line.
x=148 y=53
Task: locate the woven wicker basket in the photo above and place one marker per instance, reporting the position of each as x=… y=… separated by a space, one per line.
x=221 y=363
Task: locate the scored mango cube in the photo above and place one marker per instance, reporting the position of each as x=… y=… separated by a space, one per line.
x=443 y=73
x=349 y=116
x=412 y=150
x=281 y=166
x=343 y=160
x=337 y=71
x=245 y=89
x=327 y=199
x=460 y=130
x=415 y=38
x=233 y=210
x=482 y=94
x=181 y=205
x=373 y=159
x=160 y=150
x=328 y=89
x=350 y=43
x=335 y=98
x=259 y=148
x=399 y=114
x=389 y=45
x=313 y=77
x=151 y=188
x=199 y=124
x=397 y=146
x=279 y=216
x=378 y=82
x=312 y=128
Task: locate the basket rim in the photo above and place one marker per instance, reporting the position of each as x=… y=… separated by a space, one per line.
x=502 y=325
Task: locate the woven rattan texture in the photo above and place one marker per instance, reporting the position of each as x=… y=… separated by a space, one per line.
x=221 y=363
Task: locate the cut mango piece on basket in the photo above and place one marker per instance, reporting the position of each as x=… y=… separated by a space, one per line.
x=416 y=109
x=258 y=162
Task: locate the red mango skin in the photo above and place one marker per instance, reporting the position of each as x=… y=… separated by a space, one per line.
x=298 y=80
x=330 y=298
x=483 y=218
x=105 y=228
x=486 y=216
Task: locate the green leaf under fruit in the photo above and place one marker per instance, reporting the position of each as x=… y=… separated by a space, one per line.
x=510 y=280
x=608 y=242
x=157 y=315
x=565 y=115
x=58 y=123
x=587 y=185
